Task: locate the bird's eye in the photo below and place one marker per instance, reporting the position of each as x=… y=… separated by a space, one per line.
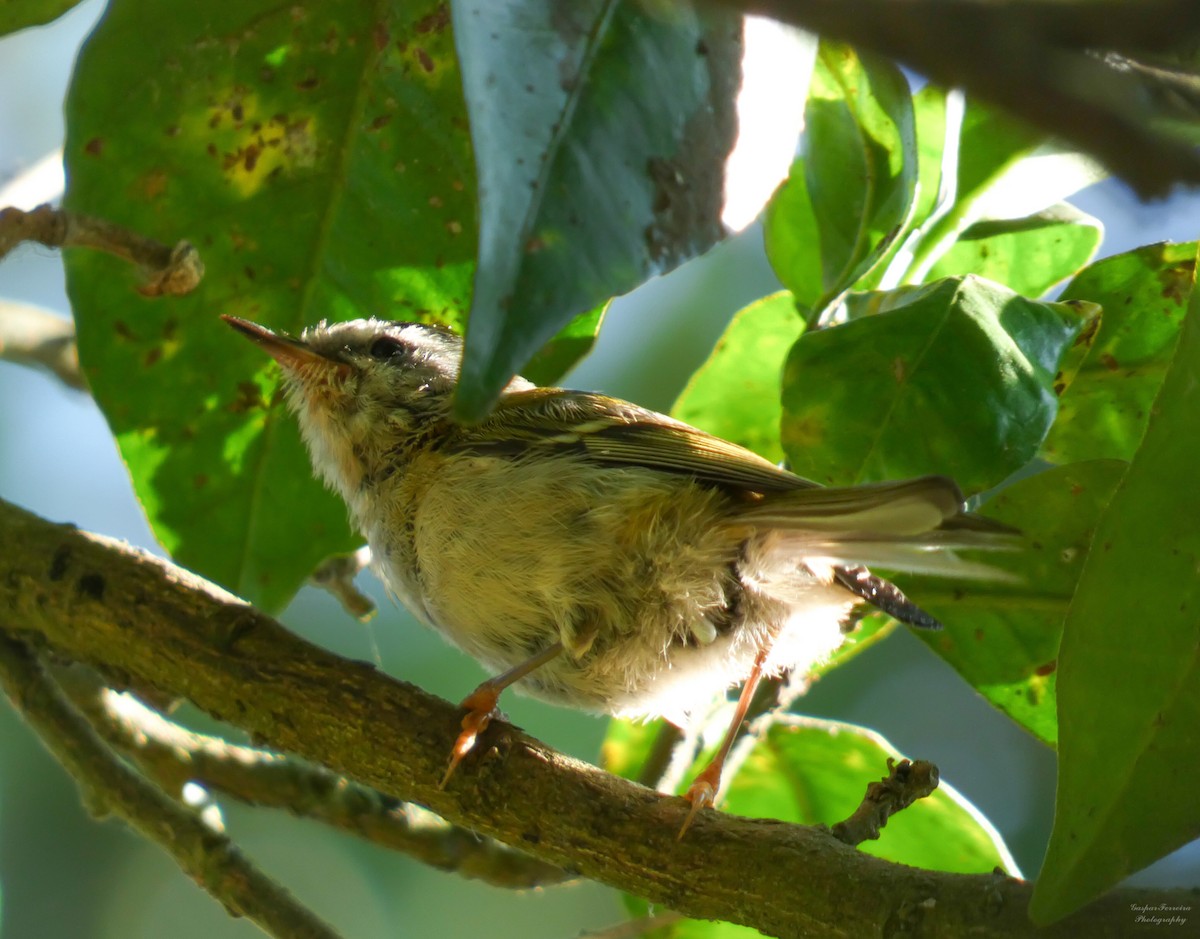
x=385 y=348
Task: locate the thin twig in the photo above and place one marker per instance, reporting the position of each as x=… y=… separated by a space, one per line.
x=906 y=782
x=168 y=271
x=206 y=856
x=336 y=575
x=632 y=928
x=173 y=756
x=37 y=338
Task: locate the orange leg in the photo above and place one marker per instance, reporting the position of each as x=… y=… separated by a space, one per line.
x=703 y=790
x=481 y=705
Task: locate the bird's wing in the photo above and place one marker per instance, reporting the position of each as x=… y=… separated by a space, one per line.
x=612 y=432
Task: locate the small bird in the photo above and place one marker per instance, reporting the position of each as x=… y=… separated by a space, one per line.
x=592 y=552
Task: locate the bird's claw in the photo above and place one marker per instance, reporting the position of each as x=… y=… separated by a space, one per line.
x=481 y=708
x=702 y=793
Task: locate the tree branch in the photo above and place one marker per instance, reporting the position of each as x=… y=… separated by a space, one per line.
x=905 y=783
x=169 y=271
x=35 y=337
x=142 y=620
x=1036 y=60
x=207 y=856
x=173 y=756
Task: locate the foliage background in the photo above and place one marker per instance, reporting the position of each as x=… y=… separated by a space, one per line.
x=63 y=875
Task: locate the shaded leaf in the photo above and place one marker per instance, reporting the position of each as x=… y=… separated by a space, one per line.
x=1030 y=254
x=849 y=196
x=282 y=146
x=735 y=393
x=1003 y=636
x=600 y=129
x=21 y=14
x=1128 y=761
x=1144 y=294
x=955 y=377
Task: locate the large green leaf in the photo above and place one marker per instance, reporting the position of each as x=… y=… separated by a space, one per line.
x=1129 y=666
x=955 y=377
x=1029 y=254
x=846 y=200
x=735 y=394
x=1144 y=294
x=600 y=129
x=20 y=14
x=318 y=158
x=1002 y=636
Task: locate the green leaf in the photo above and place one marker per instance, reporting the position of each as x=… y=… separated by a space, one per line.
x=21 y=14
x=1002 y=636
x=815 y=772
x=955 y=377
x=937 y=166
x=810 y=771
x=599 y=130
x=846 y=200
x=282 y=146
x=735 y=393
x=1129 y=667
x=557 y=357
x=1030 y=254
x=1005 y=170
x=1144 y=294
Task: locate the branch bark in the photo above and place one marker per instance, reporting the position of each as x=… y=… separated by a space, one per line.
x=142 y=621
x=207 y=856
x=173 y=756
x=1036 y=59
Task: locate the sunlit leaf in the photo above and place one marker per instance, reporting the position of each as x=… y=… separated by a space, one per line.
x=1005 y=171
x=1002 y=636
x=1144 y=294
x=848 y=197
x=813 y=771
x=735 y=394
x=279 y=141
x=1129 y=669
x=574 y=341
x=1030 y=254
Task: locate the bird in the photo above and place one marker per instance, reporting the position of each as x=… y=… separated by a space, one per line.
x=594 y=553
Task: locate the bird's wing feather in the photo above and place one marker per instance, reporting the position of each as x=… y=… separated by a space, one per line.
x=612 y=432
x=616 y=433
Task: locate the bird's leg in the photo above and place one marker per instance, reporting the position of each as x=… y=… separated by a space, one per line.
x=481 y=705
x=703 y=790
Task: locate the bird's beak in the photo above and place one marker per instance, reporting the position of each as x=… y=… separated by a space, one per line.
x=285 y=350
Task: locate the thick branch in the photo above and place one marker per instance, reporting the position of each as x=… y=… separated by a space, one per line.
x=207 y=856
x=137 y=617
x=1035 y=59
x=173 y=756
